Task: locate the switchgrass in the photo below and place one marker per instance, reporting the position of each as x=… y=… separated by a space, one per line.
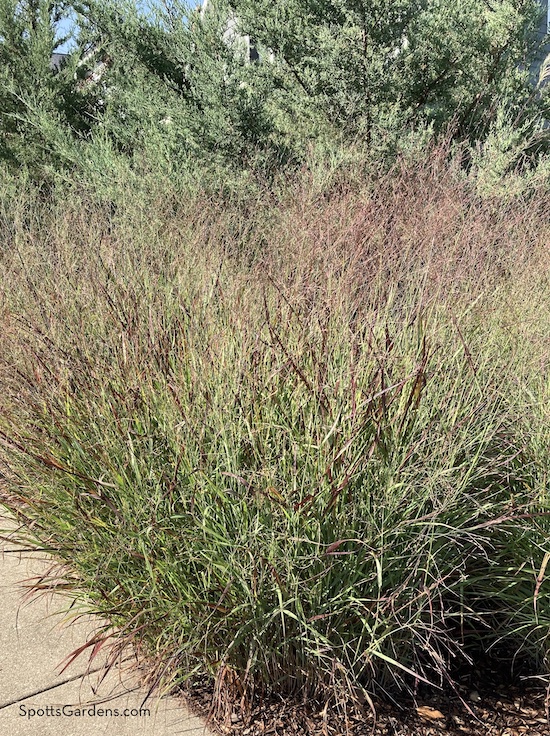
x=297 y=442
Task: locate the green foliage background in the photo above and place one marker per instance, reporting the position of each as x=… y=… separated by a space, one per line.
x=172 y=88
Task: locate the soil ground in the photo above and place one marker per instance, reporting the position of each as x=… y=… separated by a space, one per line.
x=512 y=710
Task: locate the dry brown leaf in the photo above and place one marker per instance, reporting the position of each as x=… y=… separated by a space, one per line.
x=424 y=711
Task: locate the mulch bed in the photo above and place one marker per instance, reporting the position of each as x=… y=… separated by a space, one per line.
x=513 y=711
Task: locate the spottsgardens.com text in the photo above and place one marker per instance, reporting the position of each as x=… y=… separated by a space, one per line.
x=81 y=711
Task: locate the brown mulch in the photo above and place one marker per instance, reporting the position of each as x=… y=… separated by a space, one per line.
x=516 y=711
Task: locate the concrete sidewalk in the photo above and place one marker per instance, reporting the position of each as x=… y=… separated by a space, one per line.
x=36 y=699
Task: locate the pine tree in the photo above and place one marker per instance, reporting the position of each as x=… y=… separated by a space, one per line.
x=36 y=96
x=370 y=65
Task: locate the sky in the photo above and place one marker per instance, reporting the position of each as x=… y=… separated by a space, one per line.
x=64 y=28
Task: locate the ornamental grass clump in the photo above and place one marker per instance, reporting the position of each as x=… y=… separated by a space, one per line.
x=286 y=470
